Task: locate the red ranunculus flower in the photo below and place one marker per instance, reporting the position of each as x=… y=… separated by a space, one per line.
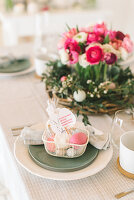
x=92 y=37
x=120 y=35
x=72 y=45
x=94 y=55
x=110 y=58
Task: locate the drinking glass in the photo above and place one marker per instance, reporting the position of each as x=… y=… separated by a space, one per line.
x=123 y=121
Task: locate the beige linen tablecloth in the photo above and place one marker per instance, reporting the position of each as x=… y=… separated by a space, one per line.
x=22 y=101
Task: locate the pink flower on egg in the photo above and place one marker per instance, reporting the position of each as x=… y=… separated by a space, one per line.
x=63 y=78
x=72 y=45
x=94 y=55
x=128 y=44
x=100 y=28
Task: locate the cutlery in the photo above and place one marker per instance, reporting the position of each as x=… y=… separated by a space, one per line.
x=17 y=129
x=122 y=194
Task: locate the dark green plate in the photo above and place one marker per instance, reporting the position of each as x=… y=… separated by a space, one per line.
x=43 y=159
x=15 y=66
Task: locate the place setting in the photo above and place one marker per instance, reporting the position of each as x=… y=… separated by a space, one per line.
x=84 y=86
x=60 y=149
x=11 y=65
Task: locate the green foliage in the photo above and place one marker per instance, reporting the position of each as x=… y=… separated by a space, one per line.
x=94 y=80
x=82 y=47
x=68 y=27
x=106 y=39
x=77 y=28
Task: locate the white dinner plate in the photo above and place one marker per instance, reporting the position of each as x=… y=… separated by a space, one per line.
x=23 y=158
x=29 y=70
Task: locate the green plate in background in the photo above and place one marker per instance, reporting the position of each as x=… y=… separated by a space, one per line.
x=43 y=159
x=15 y=66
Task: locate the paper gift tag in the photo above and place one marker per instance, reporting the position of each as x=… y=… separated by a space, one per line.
x=66 y=118
x=62 y=121
x=56 y=126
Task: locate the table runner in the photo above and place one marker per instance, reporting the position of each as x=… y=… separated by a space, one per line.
x=22 y=101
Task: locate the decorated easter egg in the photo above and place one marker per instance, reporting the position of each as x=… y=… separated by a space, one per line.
x=60 y=152
x=61 y=140
x=78 y=138
x=50 y=145
x=71 y=152
x=79 y=95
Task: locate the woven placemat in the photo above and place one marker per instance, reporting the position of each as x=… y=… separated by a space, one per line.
x=125 y=173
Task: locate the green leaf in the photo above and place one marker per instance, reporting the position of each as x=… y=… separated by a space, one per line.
x=78 y=113
x=77 y=28
x=68 y=27
x=82 y=47
x=106 y=39
x=115 y=70
x=85 y=120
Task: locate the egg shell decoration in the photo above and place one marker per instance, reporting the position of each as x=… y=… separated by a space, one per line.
x=79 y=95
x=78 y=138
x=71 y=152
x=60 y=152
x=61 y=140
x=50 y=146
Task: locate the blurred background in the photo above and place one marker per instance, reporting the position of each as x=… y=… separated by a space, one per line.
x=40 y=21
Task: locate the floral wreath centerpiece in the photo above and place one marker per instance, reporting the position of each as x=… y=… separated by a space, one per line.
x=88 y=77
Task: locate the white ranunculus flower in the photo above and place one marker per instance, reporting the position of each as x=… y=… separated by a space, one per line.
x=63 y=56
x=80 y=37
x=124 y=53
x=83 y=61
x=109 y=48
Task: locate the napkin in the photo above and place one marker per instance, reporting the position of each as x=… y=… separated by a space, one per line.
x=98 y=138
x=33 y=135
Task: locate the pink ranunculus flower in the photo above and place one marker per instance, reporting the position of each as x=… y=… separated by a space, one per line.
x=73 y=57
x=100 y=28
x=63 y=78
x=116 y=43
x=70 y=34
x=110 y=58
x=92 y=37
x=94 y=55
x=111 y=34
x=61 y=43
x=101 y=39
x=128 y=44
x=72 y=45
x=86 y=29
